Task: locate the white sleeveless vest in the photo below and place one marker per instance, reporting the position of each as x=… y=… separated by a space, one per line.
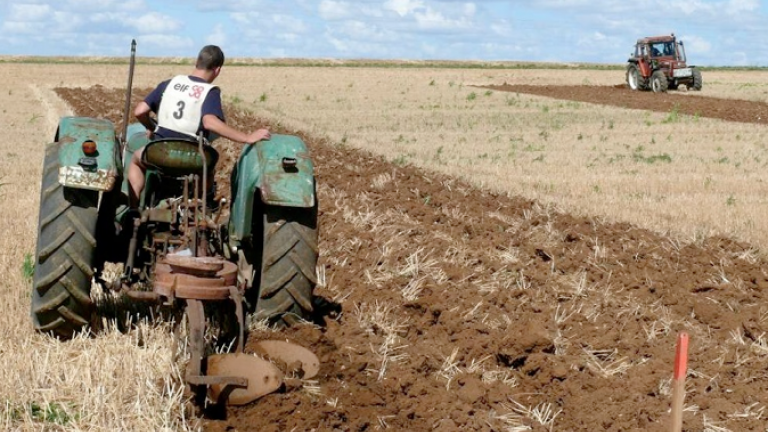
x=182 y=105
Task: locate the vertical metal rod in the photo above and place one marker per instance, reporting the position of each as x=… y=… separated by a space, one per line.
x=195 y=214
x=123 y=138
x=200 y=144
x=132 y=248
x=185 y=208
x=196 y=322
x=203 y=231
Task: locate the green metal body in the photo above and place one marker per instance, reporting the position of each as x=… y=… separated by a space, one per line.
x=98 y=172
x=280 y=171
x=277 y=172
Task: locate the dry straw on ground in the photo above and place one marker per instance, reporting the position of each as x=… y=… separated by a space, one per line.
x=114 y=381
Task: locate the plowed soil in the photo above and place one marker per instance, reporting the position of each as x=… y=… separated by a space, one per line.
x=518 y=312
x=690 y=103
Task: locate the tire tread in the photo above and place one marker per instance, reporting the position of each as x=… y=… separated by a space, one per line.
x=66 y=244
x=290 y=254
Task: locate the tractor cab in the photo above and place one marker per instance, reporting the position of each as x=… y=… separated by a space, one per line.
x=660 y=48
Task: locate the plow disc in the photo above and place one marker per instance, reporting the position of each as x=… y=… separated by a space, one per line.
x=297 y=360
x=232 y=378
x=261 y=378
x=240 y=378
x=261 y=375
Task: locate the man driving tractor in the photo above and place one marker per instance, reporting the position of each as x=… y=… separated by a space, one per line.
x=185 y=106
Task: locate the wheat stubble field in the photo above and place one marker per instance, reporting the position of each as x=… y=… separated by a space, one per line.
x=501 y=260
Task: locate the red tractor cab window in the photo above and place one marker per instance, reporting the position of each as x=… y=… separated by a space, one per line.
x=663 y=49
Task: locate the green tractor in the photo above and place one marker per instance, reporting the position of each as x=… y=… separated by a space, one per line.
x=253 y=255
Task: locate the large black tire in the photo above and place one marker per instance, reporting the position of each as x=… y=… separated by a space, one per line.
x=659 y=82
x=289 y=258
x=697 y=80
x=65 y=258
x=635 y=79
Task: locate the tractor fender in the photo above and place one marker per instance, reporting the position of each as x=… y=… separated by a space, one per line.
x=646 y=68
x=76 y=169
x=278 y=172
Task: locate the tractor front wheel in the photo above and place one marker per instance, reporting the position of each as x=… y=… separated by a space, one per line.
x=697 y=80
x=289 y=258
x=635 y=80
x=659 y=82
x=66 y=242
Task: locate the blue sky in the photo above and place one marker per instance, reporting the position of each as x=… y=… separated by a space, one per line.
x=717 y=32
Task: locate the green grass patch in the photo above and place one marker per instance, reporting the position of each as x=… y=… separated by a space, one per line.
x=28 y=266
x=52 y=412
x=664 y=157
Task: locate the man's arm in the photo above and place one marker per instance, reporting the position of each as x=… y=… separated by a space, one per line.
x=214 y=124
x=142 y=115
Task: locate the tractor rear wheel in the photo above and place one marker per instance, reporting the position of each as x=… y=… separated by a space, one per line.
x=64 y=265
x=635 y=80
x=659 y=82
x=288 y=264
x=697 y=80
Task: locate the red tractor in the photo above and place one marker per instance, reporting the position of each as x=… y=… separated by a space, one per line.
x=658 y=64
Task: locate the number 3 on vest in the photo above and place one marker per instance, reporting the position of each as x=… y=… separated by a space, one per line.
x=180 y=112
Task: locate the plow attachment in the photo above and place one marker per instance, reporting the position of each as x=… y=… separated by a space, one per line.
x=233 y=378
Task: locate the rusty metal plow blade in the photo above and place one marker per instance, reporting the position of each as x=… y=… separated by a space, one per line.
x=235 y=378
x=261 y=375
x=297 y=360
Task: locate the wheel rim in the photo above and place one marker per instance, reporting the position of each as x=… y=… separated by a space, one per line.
x=633 y=79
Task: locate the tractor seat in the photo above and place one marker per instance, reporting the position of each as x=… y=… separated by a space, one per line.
x=176 y=157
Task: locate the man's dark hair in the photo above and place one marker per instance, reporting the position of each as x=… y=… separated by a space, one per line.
x=210 y=58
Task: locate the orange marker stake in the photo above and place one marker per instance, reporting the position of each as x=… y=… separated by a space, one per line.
x=678 y=382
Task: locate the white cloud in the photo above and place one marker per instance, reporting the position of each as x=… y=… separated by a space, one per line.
x=289 y=23
x=153 y=22
x=243 y=18
x=470 y=9
x=66 y=21
x=696 y=45
x=403 y=7
x=735 y=7
x=89 y=6
x=20 y=28
x=362 y=31
x=29 y=12
x=502 y=28
x=217 y=37
x=169 y=43
x=431 y=19
x=334 y=10
x=349 y=48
